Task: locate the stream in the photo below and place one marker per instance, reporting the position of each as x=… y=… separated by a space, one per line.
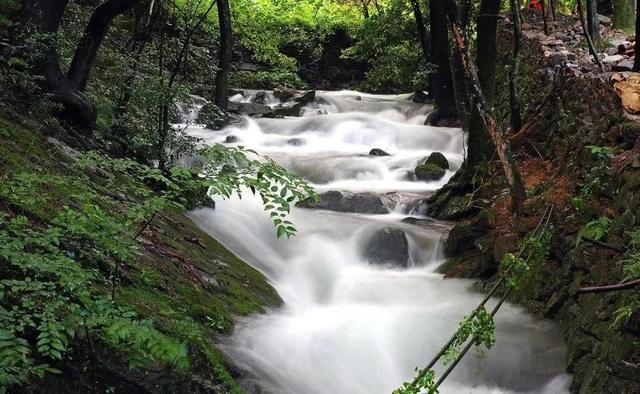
x=348 y=326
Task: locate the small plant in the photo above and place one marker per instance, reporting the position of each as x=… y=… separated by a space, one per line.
x=595 y=229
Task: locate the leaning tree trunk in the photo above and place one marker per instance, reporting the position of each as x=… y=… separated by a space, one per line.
x=422 y=30
x=587 y=36
x=224 y=57
x=479 y=144
x=514 y=98
x=442 y=80
x=94 y=33
x=593 y=23
x=479 y=103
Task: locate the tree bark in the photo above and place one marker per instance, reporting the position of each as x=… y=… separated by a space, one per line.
x=479 y=144
x=636 y=62
x=623 y=14
x=76 y=108
x=593 y=23
x=224 y=57
x=94 y=34
x=442 y=80
x=479 y=103
x=544 y=17
x=587 y=36
x=514 y=98
x=422 y=30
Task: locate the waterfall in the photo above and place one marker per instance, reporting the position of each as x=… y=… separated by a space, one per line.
x=349 y=326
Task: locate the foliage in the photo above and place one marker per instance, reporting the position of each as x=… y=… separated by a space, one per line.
x=596 y=229
x=426 y=384
x=521 y=274
x=231 y=170
x=390 y=37
x=479 y=326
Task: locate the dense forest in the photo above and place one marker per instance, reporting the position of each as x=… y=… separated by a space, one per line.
x=319 y=196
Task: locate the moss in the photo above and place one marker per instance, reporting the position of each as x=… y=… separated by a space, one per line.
x=184 y=280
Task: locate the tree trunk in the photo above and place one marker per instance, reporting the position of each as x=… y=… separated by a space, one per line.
x=76 y=108
x=479 y=145
x=94 y=33
x=623 y=14
x=544 y=18
x=224 y=57
x=442 y=80
x=587 y=36
x=593 y=23
x=514 y=97
x=636 y=62
x=479 y=103
x=422 y=31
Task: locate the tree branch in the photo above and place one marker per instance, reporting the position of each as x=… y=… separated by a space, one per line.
x=608 y=288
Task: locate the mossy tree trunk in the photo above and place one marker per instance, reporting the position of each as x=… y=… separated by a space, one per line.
x=442 y=80
x=623 y=14
x=636 y=62
x=480 y=147
x=422 y=30
x=224 y=56
x=593 y=23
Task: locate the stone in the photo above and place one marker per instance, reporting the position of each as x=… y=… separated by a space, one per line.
x=462 y=236
x=231 y=139
x=604 y=20
x=612 y=59
x=421 y=97
x=290 y=108
x=625 y=65
x=377 y=152
x=365 y=203
x=437 y=159
x=429 y=172
x=389 y=247
x=296 y=141
x=556 y=58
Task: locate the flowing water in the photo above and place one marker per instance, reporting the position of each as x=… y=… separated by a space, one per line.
x=347 y=326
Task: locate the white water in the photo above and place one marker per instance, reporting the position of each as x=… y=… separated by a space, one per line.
x=346 y=326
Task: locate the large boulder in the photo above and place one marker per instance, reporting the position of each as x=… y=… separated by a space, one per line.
x=389 y=247
x=429 y=172
x=249 y=109
x=438 y=159
x=290 y=108
x=367 y=203
x=215 y=117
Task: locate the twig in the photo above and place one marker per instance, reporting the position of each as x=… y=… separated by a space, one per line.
x=603 y=244
x=607 y=288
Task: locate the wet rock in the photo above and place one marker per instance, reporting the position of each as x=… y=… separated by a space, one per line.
x=377 y=152
x=421 y=97
x=231 y=139
x=388 y=246
x=463 y=236
x=249 y=109
x=438 y=159
x=290 y=108
x=296 y=141
x=216 y=118
x=612 y=59
x=366 y=203
x=429 y=172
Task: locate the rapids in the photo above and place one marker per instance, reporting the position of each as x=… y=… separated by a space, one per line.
x=347 y=326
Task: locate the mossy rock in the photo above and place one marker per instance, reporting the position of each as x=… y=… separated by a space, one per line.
x=438 y=159
x=429 y=172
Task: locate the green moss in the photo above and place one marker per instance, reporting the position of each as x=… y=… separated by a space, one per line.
x=184 y=280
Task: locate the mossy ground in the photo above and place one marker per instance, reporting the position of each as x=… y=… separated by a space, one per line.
x=184 y=280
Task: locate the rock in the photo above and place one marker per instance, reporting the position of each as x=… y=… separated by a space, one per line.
x=388 y=246
x=625 y=65
x=630 y=133
x=377 y=152
x=429 y=172
x=366 y=203
x=290 y=108
x=556 y=58
x=296 y=141
x=612 y=59
x=622 y=49
x=604 y=20
x=438 y=159
x=250 y=109
x=462 y=236
x=231 y=139
x=215 y=118
x=421 y=97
